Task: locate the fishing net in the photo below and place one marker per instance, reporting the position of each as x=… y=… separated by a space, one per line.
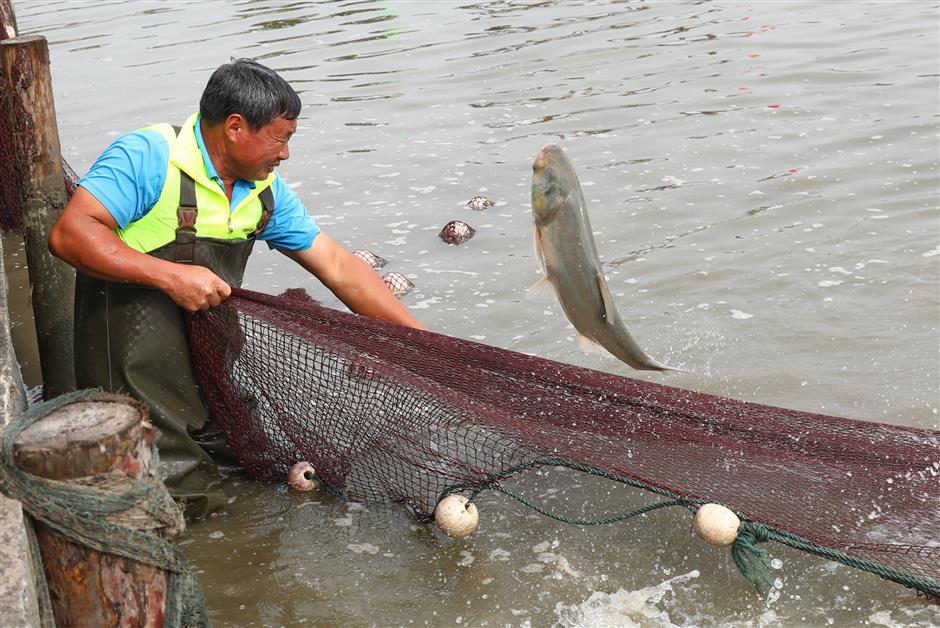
x=11 y=194
x=388 y=413
x=14 y=131
x=11 y=215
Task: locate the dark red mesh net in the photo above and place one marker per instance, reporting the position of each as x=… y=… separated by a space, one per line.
x=389 y=413
x=13 y=121
x=11 y=215
x=11 y=188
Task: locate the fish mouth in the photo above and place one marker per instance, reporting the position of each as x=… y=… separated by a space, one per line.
x=546 y=156
x=553 y=183
x=548 y=177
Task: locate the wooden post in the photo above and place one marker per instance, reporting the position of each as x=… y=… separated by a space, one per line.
x=7 y=20
x=18 y=601
x=27 y=84
x=89 y=588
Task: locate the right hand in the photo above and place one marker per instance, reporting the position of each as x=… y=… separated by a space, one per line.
x=196 y=288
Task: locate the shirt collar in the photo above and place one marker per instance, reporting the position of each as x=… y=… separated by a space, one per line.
x=207 y=161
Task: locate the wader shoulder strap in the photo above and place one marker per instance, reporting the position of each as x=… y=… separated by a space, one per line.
x=186 y=217
x=267 y=208
x=187 y=211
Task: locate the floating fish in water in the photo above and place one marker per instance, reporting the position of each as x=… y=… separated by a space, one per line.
x=456 y=232
x=479 y=203
x=398 y=284
x=369 y=258
x=564 y=246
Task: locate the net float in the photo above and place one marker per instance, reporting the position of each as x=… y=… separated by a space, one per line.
x=398 y=284
x=456 y=516
x=302 y=477
x=716 y=525
x=456 y=232
x=479 y=203
x=369 y=258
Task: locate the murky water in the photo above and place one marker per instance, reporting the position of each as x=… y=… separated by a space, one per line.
x=763 y=182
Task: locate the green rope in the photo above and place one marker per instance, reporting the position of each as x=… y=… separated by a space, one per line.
x=492 y=483
x=750 y=559
x=44 y=603
x=588 y=522
x=755 y=567
x=79 y=513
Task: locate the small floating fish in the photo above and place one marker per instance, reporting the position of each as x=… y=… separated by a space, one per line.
x=456 y=232
x=479 y=203
x=398 y=284
x=369 y=258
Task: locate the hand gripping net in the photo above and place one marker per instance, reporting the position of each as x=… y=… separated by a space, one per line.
x=387 y=413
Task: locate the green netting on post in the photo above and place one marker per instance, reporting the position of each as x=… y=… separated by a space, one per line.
x=81 y=514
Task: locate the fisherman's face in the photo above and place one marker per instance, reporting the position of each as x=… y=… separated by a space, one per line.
x=258 y=153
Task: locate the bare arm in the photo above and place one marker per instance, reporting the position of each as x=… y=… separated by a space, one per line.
x=352 y=281
x=84 y=237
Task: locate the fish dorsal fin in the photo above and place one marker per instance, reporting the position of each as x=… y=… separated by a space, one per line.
x=605 y=296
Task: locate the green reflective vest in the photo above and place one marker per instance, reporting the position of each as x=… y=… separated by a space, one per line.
x=215 y=218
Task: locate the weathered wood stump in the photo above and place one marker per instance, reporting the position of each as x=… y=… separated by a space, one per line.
x=110 y=441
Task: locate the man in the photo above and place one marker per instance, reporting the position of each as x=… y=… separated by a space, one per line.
x=163 y=222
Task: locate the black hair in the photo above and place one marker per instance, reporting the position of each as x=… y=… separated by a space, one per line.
x=246 y=87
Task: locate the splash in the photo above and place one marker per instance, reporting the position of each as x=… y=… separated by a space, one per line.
x=622 y=609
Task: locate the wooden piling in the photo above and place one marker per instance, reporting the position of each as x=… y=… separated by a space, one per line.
x=26 y=85
x=75 y=442
x=7 y=20
x=19 y=604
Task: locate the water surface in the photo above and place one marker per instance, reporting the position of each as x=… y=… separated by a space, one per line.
x=762 y=179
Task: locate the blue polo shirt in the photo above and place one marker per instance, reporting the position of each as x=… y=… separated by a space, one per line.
x=129 y=175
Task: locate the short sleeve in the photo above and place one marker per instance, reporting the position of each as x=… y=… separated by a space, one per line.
x=291 y=228
x=129 y=175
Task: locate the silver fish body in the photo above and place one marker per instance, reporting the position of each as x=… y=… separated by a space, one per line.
x=566 y=251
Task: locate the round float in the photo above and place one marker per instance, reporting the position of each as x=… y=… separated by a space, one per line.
x=302 y=477
x=716 y=525
x=456 y=516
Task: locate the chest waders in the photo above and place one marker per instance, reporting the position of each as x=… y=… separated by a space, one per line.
x=131 y=339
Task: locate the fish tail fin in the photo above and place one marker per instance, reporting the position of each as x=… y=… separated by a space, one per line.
x=659 y=366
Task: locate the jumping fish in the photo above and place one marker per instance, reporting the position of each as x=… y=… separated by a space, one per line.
x=565 y=249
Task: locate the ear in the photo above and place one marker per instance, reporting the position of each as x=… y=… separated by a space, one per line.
x=234 y=125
